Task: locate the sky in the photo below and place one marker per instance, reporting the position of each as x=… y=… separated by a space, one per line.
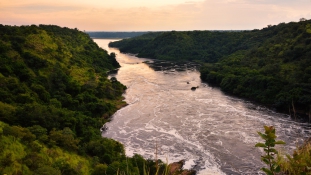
x=154 y=15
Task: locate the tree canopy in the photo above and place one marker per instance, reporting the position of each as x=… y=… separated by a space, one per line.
x=55 y=96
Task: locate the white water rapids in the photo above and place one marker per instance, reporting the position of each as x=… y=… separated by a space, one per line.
x=213 y=132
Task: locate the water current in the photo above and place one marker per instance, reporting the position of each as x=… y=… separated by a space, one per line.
x=213 y=132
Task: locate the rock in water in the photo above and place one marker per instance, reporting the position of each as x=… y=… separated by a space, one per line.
x=176 y=168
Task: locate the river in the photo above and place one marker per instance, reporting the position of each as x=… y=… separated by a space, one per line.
x=213 y=132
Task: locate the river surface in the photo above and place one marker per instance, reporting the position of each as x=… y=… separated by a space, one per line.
x=213 y=132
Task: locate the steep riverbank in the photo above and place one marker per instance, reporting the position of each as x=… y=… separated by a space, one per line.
x=54 y=96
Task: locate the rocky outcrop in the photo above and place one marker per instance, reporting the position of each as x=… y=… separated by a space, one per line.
x=176 y=169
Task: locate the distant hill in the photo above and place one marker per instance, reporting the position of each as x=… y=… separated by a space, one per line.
x=114 y=35
x=271 y=66
x=135 y=45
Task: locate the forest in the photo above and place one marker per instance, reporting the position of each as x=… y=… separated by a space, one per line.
x=271 y=66
x=55 y=96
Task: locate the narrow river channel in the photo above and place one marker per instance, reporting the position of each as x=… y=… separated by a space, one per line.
x=213 y=132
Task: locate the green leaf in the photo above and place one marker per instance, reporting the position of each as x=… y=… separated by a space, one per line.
x=273 y=150
x=271 y=135
x=267 y=171
x=268 y=157
x=260 y=145
x=267 y=128
x=277 y=169
x=279 y=142
x=263 y=136
x=266 y=161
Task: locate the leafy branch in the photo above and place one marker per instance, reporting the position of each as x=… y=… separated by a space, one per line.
x=268 y=146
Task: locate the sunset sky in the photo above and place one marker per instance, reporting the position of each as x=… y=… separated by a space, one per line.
x=154 y=15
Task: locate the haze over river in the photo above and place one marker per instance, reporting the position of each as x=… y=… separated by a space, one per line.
x=213 y=132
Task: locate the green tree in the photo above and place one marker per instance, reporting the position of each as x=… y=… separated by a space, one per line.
x=39 y=132
x=100 y=169
x=47 y=170
x=64 y=138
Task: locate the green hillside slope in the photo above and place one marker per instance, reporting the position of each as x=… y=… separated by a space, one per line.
x=59 y=75
x=275 y=72
x=54 y=98
x=271 y=65
x=135 y=44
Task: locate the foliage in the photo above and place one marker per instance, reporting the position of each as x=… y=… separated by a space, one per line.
x=39 y=85
x=21 y=152
x=134 y=45
x=275 y=72
x=279 y=163
x=207 y=46
x=299 y=163
x=55 y=96
x=268 y=146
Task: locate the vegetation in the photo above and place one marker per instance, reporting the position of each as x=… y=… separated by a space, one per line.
x=297 y=164
x=55 y=97
x=134 y=45
x=278 y=163
x=34 y=151
x=270 y=66
x=268 y=147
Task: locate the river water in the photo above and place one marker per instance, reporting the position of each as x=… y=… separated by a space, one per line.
x=213 y=132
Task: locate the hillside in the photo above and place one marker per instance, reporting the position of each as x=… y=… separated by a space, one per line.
x=54 y=98
x=135 y=44
x=271 y=66
x=48 y=68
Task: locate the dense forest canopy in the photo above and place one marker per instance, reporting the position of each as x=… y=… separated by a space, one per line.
x=271 y=65
x=54 y=98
